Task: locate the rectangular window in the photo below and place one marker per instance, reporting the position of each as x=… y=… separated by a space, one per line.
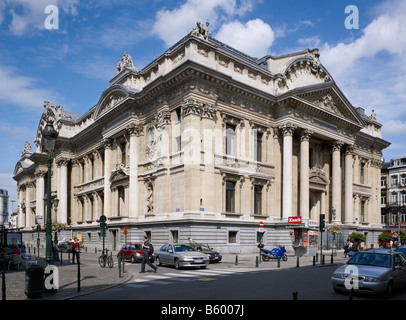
x=230 y=196
x=362 y=211
x=257 y=200
x=258 y=147
x=123 y=154
x=362 y=180
x=394 y=181
x=232 y=237
x=230 y=140
x=383 y=182
x=175 y=236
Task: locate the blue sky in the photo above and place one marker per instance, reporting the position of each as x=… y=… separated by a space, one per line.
x=72 y=65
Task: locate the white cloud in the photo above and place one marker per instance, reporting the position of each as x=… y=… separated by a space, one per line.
x=384 y=34
x=171 y=25
x=371 y=71
x=21 y=90
x=28 y=15
x=253 y=38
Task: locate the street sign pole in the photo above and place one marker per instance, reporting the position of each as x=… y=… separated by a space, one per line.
x=103 y=232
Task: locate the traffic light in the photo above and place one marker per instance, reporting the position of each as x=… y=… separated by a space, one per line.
x=322 y=224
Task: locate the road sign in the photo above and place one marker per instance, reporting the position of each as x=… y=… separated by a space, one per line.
x=126 y=230
x=261 y=224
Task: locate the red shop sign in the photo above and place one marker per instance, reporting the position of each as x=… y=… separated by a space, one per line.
x=294 y=219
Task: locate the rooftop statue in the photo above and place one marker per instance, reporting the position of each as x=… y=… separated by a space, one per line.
x=201 y=30
x=125 y=62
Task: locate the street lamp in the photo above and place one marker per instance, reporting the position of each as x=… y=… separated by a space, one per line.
x=49 y=135
x=56 y=202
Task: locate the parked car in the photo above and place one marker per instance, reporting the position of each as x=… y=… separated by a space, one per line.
x=376 y=271
x=64 y=246
x=132 y=252
x=402 y=250
x=205 y=248
x=181 y=255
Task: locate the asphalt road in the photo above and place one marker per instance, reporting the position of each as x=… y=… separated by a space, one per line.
x=310 y=283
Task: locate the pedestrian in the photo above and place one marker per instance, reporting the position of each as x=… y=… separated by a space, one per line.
x=146 y=246
x=75 y=250
x=347 y=248
x=190 y=240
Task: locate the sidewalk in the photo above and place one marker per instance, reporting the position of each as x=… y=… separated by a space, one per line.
x=94 y=278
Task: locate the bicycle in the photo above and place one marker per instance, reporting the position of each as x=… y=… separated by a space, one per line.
x=106 y=259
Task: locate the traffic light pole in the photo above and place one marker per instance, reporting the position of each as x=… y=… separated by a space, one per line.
x=322 y=226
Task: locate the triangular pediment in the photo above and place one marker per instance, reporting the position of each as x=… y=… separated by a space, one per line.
x=330 y=100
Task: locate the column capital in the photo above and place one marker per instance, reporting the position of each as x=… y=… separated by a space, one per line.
x=305 y=134
x=135 y=129
x=337 y=145
x=287 y=129
x=106 y=143
x=349 y=149
x=62 y=162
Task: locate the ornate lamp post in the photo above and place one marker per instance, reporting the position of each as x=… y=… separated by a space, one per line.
x=49 y=135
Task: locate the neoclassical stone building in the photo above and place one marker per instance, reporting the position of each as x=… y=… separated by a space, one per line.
x=206 y=142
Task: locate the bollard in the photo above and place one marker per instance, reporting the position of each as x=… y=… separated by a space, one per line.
x=297 y=262
x=317 y=257
x=236 y=260
x=279 y=262
x=322 y=260
x=119 y=267
x=78 y=262
x=3 y=284
x=256 y=262
x=123 y=264
x=61 y=256
x=331 y=258
x=314 y=261
x=294 y=293
x=68 y=256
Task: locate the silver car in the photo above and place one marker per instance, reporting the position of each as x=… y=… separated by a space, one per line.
x=181 y=255
x=376 y=271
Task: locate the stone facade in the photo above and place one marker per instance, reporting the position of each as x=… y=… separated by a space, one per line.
x=206 y=142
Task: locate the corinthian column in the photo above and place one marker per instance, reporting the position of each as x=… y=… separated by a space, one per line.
x=287 y=131
x=40 y=175
x=348 y=200
x=336 y=177
x=107 y=173
x=135 y=131
x=63 y=187
x=304 y=173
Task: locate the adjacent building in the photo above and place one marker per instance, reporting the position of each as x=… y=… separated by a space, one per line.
x=3 y=207
x=393 y=198
x=208 y=142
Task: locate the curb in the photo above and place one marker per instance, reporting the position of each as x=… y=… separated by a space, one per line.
x=98 y=290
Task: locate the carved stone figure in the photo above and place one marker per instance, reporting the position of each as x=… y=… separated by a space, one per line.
x=125 y=61
x=201 y=30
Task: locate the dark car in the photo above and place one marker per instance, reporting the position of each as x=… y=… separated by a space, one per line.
x=205 y=248
x=132 y=252
x=401 y=250
x=64 y=246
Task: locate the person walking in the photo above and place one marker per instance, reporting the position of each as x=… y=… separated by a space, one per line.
x=347 y=248
x=146 y=246
x=75 y=250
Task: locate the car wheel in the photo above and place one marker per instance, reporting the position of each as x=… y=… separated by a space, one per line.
x=389 y=290
x=158 y=262
x=133 y=259
x=177 y=266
